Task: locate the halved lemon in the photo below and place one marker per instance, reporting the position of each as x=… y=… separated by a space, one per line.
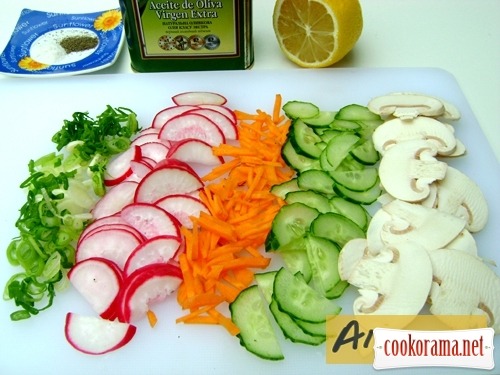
x=317 y=33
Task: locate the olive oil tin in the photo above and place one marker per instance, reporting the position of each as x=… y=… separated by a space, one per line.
x=188 y=35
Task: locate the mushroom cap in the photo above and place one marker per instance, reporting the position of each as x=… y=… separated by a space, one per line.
x=397 y=130
x=464 y=285
x=395 y=281
x=406 y=105
x=408 y=168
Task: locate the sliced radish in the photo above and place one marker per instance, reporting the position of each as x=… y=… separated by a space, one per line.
x=145 y=131
x=166 y=114
x=222 y=109
x=222 y=121
x=198 y=98
x=140 y=168
x=166 y=180
x=174 y=162
x=151 y=220
x=194 y=151
x=115 y=198
x=121 y=225
x=101 y=222
x=93 y=335
x=160 y=249
x=113 y=244
x=182 y=206
x=99 y=281
x=192 y=125
x=145 y=286
x=154 y=150
x=118 y=169
x=145 y=138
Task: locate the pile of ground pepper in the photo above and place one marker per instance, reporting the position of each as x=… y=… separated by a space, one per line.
x=78 y=43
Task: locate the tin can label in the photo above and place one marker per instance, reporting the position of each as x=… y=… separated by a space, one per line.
x=181 y=28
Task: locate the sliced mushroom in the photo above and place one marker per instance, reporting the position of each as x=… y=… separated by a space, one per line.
x=430 y=228
x=464 y=242
x=397 y=130
x=406 y=105
x=464 y=285
x=395 y=281
x=459 y=195
x=408 y=168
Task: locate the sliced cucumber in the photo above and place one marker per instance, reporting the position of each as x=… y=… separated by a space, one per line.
x=353 y=211
x=309 y=198
x=315 y=329
x=339 y=147
x=321 y=120
x=296 y=161
x=356 y=112
x=323 y=255
x=295 y=297
x=257 y=334
x=294 y=256
x=345 y=125
x=366 y=153
x=291 y=222
x=281 y=190
x=291 y=330
x=336 y=228
x=337 y=290
x=265 y=281
x=316 y=180
x=362 y=197
x=304 y=140
x=299 y=109
x=357 y=180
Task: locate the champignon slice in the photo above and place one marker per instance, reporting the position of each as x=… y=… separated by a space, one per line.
x=459 y=195
x=395 y=281
x=378 y=222
x=397 y=130
x=429 y=227
x=464 y=242
x=464 y=285
x=406 y=105
x=408 y=168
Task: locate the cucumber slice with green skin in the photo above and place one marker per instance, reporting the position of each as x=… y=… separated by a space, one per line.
x=357 y=180
x=316 y=180
x=297 y=261
x=295 y=297
x=321 y=120
x=291 y=330
x=337 y=290
x=296 y=161
x=281 y=190
x=265 y=282
x=339 y=147
x=327 y=135
x=366 y=153
x=356 y=112
x=336 y=228
x=304 y=140
x=345 y=125
x=257 y=334
x=323 y=256
x=314 y=329
x=309 y=198
x=299 y=109
x=362 y=197
x=291 y=222
x=353 y=211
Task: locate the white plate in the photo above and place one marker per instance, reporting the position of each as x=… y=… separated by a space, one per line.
x=38 y=345
x=36 y=45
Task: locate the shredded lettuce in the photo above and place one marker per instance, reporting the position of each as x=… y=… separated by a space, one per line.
x=62 y=188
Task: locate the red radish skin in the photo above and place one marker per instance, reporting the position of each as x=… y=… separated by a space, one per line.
x=166 y=180
x=194 y=151
x=146 y=286
x=191 y=125
x=118 y=226
x=145 y=131
x=101 y=222
x=156 y=150
x=174 y=162
x=99 y=281
x=229 y=113
x=118 y=169
x=96 y=336
x=183 y=206
x=140 y=168
x=222 y=121
x=160 y=249
x=199 y=98
x=151 y=220
x=146 y=138
x=166 y=114
x=113 y=244
x=115 y=198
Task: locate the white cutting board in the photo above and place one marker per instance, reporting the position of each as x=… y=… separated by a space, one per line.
x=32 y=110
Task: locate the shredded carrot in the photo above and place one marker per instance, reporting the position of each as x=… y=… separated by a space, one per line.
x=222 y=249
x=152 y=318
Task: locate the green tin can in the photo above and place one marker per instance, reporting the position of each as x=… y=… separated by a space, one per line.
x=188 y=35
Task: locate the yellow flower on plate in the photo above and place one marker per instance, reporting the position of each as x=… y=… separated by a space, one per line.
x=27 y=63
x=108 y=20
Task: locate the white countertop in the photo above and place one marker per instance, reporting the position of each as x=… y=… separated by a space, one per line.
x=460 y=36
